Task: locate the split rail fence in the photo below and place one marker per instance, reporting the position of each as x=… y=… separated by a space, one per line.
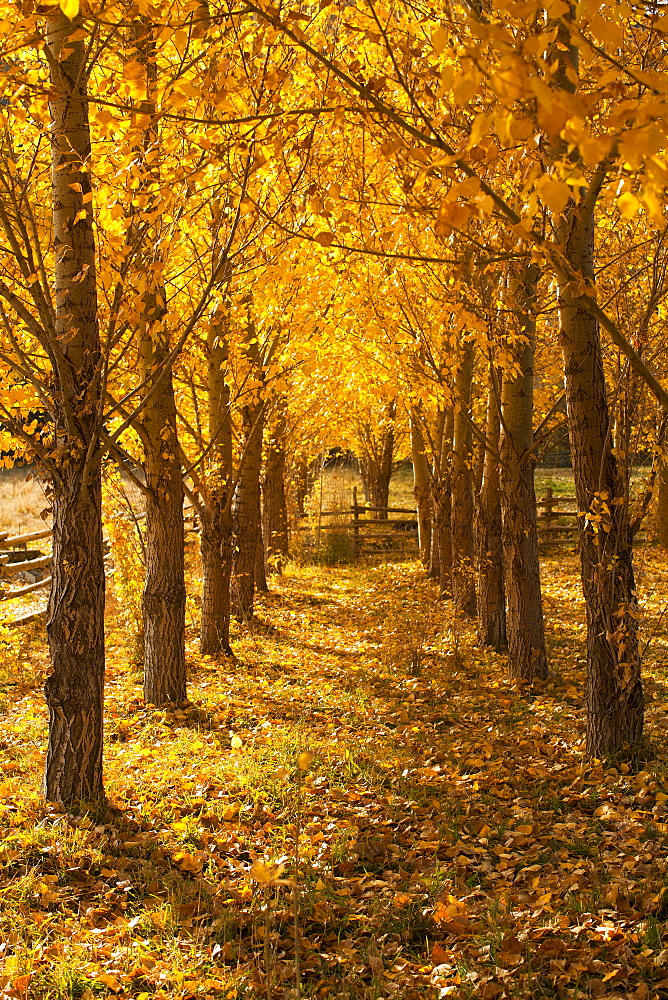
x=557 y=518
x=369 y=535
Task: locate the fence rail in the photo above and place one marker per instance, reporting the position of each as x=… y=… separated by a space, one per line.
x=558 y=522
x=401 y=534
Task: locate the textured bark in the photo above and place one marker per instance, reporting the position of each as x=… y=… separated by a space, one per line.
x=274 y=510
x=216 y=542
x=261 y=585
x=434 y=568
x=662 y=505
x=490 y=588
x=377 y=462
x=246 y=503
x=441 y=536
x=421 y=491
x=246 y=510
x=74 y=689
x=461 y=514
x=301 y=485
x=164 y=596
x=527 y=657
x=216 y=547
x=615 y=701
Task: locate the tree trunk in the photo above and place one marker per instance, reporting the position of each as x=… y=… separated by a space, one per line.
x=245 y=514
x=527 y=658
x=380 y=481
x=216 y=547
x=434 y=569
x=491 y=593
x=376 y=465
x=421 y=491
x=275 y=513
x=74 y=689
x=216 y=542
x=164 y=597
x=662 y=505
x=615 y=701
x=260 y=556
x=441 y=537
x=301 y=485
x=463 y=569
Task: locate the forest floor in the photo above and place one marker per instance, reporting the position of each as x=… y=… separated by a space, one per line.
x=452 y=840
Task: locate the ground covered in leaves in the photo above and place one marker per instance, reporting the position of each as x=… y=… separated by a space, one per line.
x=442 y=837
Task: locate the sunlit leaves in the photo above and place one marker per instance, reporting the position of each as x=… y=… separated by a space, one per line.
x=70 y=8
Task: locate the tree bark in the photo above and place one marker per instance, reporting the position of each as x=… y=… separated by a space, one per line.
x=527 y=657
x=441 y=536
x=216 y=542
x=463 y=569
x=246 y=504
x=216 y=548
x=491 y=592
x=246 y=514
x=421 y=490
x=275 y=513
x=164 y=597
x=261 y=584
x=74 y=689
x=662 y=505
x=615 y=700
x=377 y=463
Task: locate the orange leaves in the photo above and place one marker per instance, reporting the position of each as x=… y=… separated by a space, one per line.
x=553 y=193
x=451 y=917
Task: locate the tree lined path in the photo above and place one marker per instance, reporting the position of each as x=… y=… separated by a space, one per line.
x=452 y=836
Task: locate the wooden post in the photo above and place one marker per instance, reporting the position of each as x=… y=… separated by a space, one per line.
x=356 y=529
x=548 y=503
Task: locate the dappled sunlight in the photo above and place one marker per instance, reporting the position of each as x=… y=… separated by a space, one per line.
x=453 y=838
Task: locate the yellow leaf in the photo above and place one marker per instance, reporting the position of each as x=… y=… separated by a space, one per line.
x=70 y=8
x=304 y=759
x=439 y=40
x=628 y=205
x=236 y=743
x=266 y=874
x=110 y=981
x=554 y=194
x=231 y=811
x=464 y=89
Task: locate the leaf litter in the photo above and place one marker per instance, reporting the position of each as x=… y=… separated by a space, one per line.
x=452 y=841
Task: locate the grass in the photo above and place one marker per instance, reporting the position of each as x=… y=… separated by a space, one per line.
x=453 y=841
x=442 y=815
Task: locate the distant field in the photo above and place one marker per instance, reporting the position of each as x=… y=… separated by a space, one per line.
x=20 y=502
x=560 y=481
x=338 y=483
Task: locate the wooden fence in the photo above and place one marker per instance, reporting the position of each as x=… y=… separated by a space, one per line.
x=557 y=525
x=557 y=518
x=368 y=534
